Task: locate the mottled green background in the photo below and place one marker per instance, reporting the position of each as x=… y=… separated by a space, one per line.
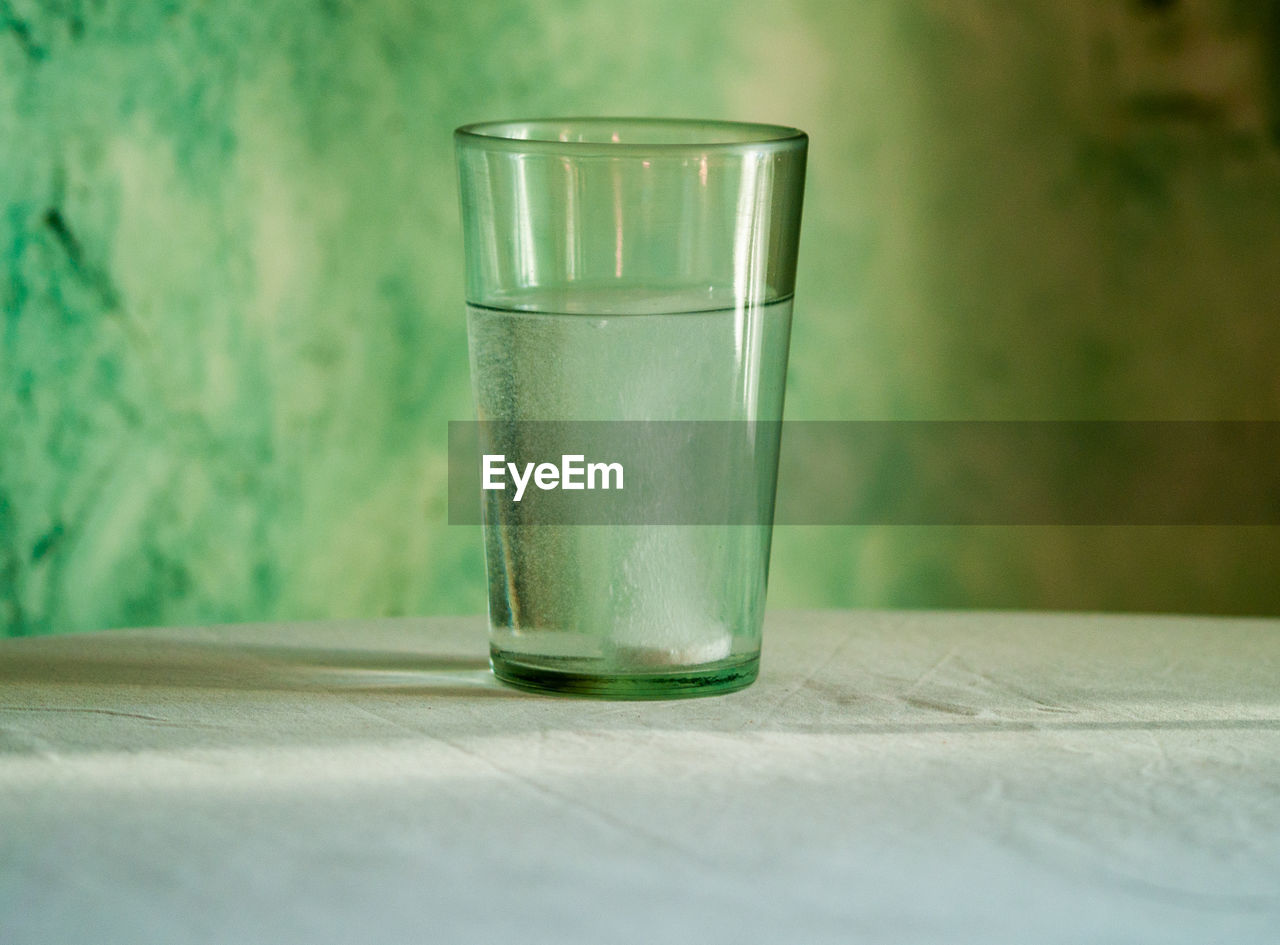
x=232 y=312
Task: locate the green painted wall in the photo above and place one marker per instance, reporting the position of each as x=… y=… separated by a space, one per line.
x=232 y=330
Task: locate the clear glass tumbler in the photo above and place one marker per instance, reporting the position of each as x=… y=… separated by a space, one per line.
x=630 y=270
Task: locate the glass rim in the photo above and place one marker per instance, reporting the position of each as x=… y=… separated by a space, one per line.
x=554 y=135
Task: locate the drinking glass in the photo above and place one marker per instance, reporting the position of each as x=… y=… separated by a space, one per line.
x=623 y=269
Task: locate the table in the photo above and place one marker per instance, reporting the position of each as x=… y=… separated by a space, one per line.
x=892 y=777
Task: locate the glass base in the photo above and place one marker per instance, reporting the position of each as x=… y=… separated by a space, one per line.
x=711 y=679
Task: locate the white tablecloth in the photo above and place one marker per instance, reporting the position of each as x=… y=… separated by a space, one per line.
x=892 y=777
